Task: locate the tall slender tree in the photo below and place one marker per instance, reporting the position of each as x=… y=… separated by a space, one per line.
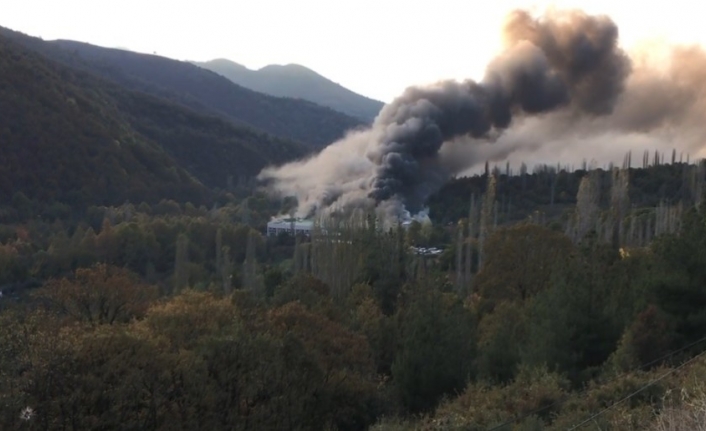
x=181 y=270
x=486 y=216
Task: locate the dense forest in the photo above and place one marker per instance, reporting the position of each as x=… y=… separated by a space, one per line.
x=174 y=316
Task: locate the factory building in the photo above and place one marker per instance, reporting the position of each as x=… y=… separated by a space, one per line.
x=290 y=226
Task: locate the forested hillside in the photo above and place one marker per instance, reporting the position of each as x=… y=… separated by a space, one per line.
x=63 y=142
x=199 y=89
x=70 y=138
x=173 y=316
x=553 y=190
x=293 y=80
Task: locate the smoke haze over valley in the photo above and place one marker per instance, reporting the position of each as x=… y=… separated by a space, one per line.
x=563 y=90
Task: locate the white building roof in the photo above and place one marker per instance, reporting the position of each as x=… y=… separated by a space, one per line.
x=299 y=224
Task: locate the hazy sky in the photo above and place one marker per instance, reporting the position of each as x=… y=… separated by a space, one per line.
x=376 y=48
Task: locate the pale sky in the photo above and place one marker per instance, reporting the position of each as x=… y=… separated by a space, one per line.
x=376 y=48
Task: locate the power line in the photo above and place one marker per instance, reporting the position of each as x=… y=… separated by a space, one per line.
x=672 y=371
x=564 y=399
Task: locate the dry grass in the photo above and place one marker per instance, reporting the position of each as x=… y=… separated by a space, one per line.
x=690 y=415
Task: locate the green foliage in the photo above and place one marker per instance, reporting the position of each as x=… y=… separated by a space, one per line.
x=436 y=348
x=501 y=337
x=679 y=284
x=553 y=191
x=550 y=333
x=569 y=329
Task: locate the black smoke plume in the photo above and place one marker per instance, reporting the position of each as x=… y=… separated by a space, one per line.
x=561 y=78
x=570 y=60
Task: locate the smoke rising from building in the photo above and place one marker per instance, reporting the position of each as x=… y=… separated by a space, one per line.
x=561 y=85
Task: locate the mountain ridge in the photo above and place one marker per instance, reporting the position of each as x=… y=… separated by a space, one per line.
x=198 y=89
x=71 y=137
x=62 y=143
x=297 y=81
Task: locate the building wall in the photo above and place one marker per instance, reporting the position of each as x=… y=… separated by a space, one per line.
x=277 y=227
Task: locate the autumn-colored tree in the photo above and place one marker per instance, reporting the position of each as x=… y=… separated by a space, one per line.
x=39 y=374
x=189 y=316
x=330 y=363
x=102 y=294
x=367 y=318
x=519 y=262
x=305 y=289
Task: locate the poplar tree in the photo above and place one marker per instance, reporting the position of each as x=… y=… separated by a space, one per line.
x=469 y=240
x=620 y=202
x=226 y=270
x=251 y=278
x=181 y=272
x=587 y=209
x=486 y=216
x=459 y=255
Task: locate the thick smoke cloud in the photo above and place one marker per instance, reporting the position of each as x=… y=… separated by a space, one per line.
x=562 y=85
x=661 y=109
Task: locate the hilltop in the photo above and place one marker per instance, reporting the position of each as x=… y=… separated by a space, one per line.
x=293 y=80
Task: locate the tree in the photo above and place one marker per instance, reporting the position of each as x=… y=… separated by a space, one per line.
x=678 y=279
x=226 y=270
x=436 y=349
x=648 y=338
x=520 y=261
x=486 y=217
x=252 y=279
x=332 y=369
x=102 y=294
x=500 y=341
x=569 y=327
x=619 y=203
x=181 y=269
x=587 y=209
